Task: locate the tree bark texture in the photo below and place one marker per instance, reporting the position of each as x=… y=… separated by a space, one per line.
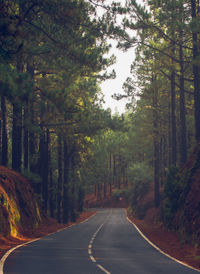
x=173 y=119
x=156 y=146
x=65 y=185
x=60 y=178
x=196 y=70
x=17 y=137
x=4 y=144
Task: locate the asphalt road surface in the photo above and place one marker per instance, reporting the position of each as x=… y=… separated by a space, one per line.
x=106 y=243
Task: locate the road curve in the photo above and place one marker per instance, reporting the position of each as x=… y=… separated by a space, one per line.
x=106 y=243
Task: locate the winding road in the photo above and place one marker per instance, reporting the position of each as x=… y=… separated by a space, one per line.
x=106 y=243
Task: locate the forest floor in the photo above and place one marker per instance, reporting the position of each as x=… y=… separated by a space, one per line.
x=153 y=228
x=48 y=227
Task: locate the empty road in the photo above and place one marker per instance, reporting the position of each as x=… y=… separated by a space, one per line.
x=106 y=243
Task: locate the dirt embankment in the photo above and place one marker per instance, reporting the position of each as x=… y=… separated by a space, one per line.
x=168 y=241
x=21 y=218
x=183 y=240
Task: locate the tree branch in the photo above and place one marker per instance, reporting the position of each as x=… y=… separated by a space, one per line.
x=177 y=85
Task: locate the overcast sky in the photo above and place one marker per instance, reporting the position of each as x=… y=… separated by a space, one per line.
x=109 y=87
x=122 y=68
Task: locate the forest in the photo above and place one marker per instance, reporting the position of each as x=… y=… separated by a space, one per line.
x=53 y=129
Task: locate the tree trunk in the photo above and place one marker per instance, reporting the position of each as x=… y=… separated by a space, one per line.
x=156 y=146
x=31 y=133
x=4 y=148
x=45 y=167
x=95 y=190
x=17 y=137
x=41 y=164
x=114 y=170
x=196 y=70
x=26 y=136
x=105 y=189
x=65 y=186
x=60 y=178
x=32 y=137
x=1 y=136
x=111 y=175
x=169 y=135
x=72 y=196
x=98 y=192
x=183 y=141
x=51 y=190
x=81 y=199
x=173 y=118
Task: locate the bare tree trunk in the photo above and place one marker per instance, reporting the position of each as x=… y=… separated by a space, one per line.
x=60 y=178
x=45 y=167
x=111 y=175
x=17 y=137
x=183 y=141
x=65 y=185
x=26 y=136
x=32 y=146
x=4 y=148
x=156 y=146
x=105 y=189
x=196 y=69
x=173 y=118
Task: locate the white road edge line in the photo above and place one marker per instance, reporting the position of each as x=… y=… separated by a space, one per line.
x=103 y=269
x=5 y=256
x=157 y=248
x=90 y=246
x=3 y=259
x=93 y=259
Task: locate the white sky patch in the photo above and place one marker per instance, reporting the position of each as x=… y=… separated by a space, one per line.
x=110 y=87
x=122 y=68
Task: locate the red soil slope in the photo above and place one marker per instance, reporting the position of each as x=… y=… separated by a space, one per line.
x=21 y=218
x=188 y=216
x=168 y=241
x=19 y=209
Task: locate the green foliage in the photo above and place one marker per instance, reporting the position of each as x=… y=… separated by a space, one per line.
x=32 y=177
x=116 y=194
x=140 y=175
x=125 y=193
x=138 y=191
x=140 y=210
x=175 y=191
x=139 y=172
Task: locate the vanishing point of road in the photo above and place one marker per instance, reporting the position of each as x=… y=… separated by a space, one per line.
x=106 y=243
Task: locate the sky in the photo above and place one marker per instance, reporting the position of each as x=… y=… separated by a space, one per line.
x=109 y=87
x=122 y=69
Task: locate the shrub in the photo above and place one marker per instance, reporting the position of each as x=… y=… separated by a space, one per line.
x=125 y=193
x=116 y=194
x=140 y=174
x=32 y=177
x=174 y=195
